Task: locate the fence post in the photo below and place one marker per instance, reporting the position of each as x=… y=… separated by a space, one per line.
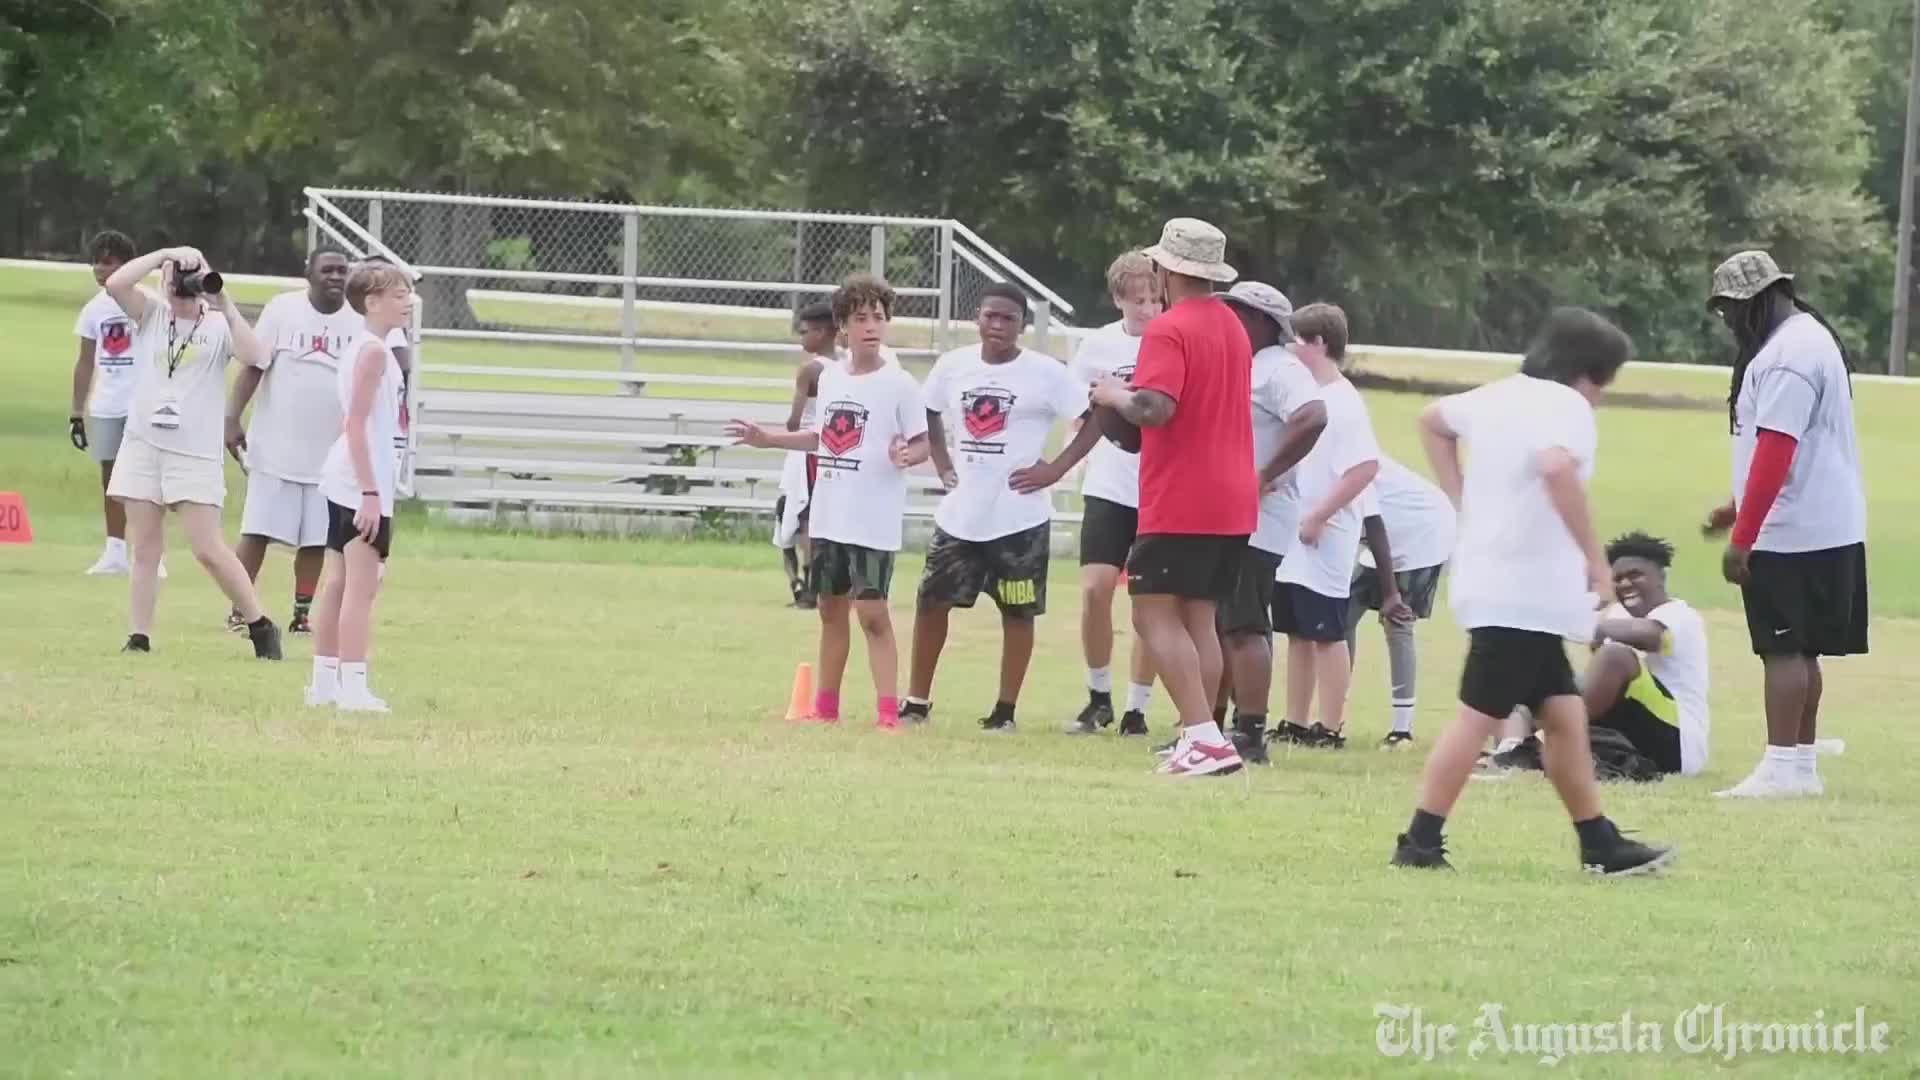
x=799 y=263
x=629 y=313
x=877 y=251
x=313 y=227
x=1042 y=325
x=943 y=316
x=376 y=217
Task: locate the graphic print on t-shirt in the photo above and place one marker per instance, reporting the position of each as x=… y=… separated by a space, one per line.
x=116 y=341
x=841 y=433
x=986 y=410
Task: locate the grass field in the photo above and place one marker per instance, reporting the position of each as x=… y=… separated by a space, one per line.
x=583 y=845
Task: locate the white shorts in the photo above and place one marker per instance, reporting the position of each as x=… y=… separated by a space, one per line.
x=291 y=513
x=145 y=473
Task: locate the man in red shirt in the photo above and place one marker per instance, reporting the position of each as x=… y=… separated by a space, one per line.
x=1198 y=495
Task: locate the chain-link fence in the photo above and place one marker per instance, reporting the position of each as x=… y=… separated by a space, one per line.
x=640 y=277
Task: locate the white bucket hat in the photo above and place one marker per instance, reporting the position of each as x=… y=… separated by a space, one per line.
x=1194 y=248
x=1267 y=300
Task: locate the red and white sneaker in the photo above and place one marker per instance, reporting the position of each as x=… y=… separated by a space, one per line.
x=1201 y=759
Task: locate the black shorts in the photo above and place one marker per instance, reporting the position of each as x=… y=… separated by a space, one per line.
x=1300 y=612
x=340 y=530
x=1013 y=569
x=838 y=569
x=1246 y=609
x=1807 y=603
x=1106 y=532
x=1188 y=565
x=1417 y=588
x=1507 y=667
x=1631 y=716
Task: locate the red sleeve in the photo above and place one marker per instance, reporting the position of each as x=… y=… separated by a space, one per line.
x=1772 y=457
x=1162 y=364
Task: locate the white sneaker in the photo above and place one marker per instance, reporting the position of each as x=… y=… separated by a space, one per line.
x=1767 y=783
x=364 y=702
x=163 y=571
x=1829 y=747
x=317 y=696
x=110 y=562
x=1194 y=758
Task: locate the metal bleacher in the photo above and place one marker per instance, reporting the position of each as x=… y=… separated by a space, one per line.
x=515 y=441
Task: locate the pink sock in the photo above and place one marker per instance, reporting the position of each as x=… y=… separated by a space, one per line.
x=888 y=711
x=826 y=704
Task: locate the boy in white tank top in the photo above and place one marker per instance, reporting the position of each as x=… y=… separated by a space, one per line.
x=358 y=482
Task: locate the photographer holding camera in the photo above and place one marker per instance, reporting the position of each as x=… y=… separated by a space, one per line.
x=171 y=456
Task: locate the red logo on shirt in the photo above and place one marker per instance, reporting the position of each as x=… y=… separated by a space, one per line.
x=116 y=339
x=986 y=411
x=844 y=429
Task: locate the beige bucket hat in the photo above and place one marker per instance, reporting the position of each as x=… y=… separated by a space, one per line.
x=1194 y=248
x=1743 y=276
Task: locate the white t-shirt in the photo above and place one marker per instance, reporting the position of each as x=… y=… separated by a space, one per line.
x=196 y=391
x=1281 y=384
x=999 y=417
x=1347 y=442
x=339 y=481
x=1111 y=473
x=1516 y=565
x=859 y=495
x=1418 y=517
x=1681 y=667
x=1798 y=386
x=115 y=360
x=297 y=414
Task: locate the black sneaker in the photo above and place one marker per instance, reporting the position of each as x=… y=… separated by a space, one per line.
x=137 y=643
x=1397 y=740
x=1092 y=718
x=915 y=714
x=1524 y=755
x=1250 y=741
x=1289 y=732
x=299 y=624
x=996 y=725
x=266 y=639
x=1621 y=857
x=1133 y=722
x=1320 y=738
x=1408 y=853
x=236 y=624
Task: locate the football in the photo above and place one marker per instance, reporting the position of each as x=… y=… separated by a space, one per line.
x=1118 y=430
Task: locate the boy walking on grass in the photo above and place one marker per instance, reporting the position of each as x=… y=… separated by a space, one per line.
x=1528 y=576
x=871 y=428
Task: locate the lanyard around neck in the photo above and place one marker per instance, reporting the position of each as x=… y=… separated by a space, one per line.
x=174 y=355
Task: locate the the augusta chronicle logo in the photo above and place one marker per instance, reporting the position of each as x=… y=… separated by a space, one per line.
x=1407 y=1031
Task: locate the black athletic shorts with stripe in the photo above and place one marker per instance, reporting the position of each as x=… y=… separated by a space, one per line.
x=862 y=573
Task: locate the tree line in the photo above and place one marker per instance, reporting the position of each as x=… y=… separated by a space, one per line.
x=1446 y=169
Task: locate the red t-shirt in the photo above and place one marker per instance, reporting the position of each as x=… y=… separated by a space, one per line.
x=1196 y=472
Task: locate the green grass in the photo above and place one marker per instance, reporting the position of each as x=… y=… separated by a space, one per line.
x=583 y=845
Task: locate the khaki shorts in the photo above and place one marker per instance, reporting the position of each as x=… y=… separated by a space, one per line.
x=284 y=511
x=145 y=473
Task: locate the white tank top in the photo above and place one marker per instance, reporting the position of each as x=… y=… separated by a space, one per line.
x=338 y=481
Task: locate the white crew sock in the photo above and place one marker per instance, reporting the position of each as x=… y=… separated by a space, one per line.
x=326 y=674
x=353 y=680
x=1138 y=695
x=1100 y=680
x=1403 y=716
x=1781 y=761
x=116 y=546
x=1807 y=767
x=1208 y=732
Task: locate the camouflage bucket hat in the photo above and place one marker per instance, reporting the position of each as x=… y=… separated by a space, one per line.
x=1744 y=276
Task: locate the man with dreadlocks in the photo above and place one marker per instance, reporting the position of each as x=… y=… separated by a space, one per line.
x=1799 y=510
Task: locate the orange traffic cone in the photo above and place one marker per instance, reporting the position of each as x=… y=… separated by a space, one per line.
x=800 y=703
x=13 y=519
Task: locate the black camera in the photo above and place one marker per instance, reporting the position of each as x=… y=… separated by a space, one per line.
x=197 y=282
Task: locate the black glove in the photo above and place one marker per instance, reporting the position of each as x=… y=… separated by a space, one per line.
x=77 y=431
